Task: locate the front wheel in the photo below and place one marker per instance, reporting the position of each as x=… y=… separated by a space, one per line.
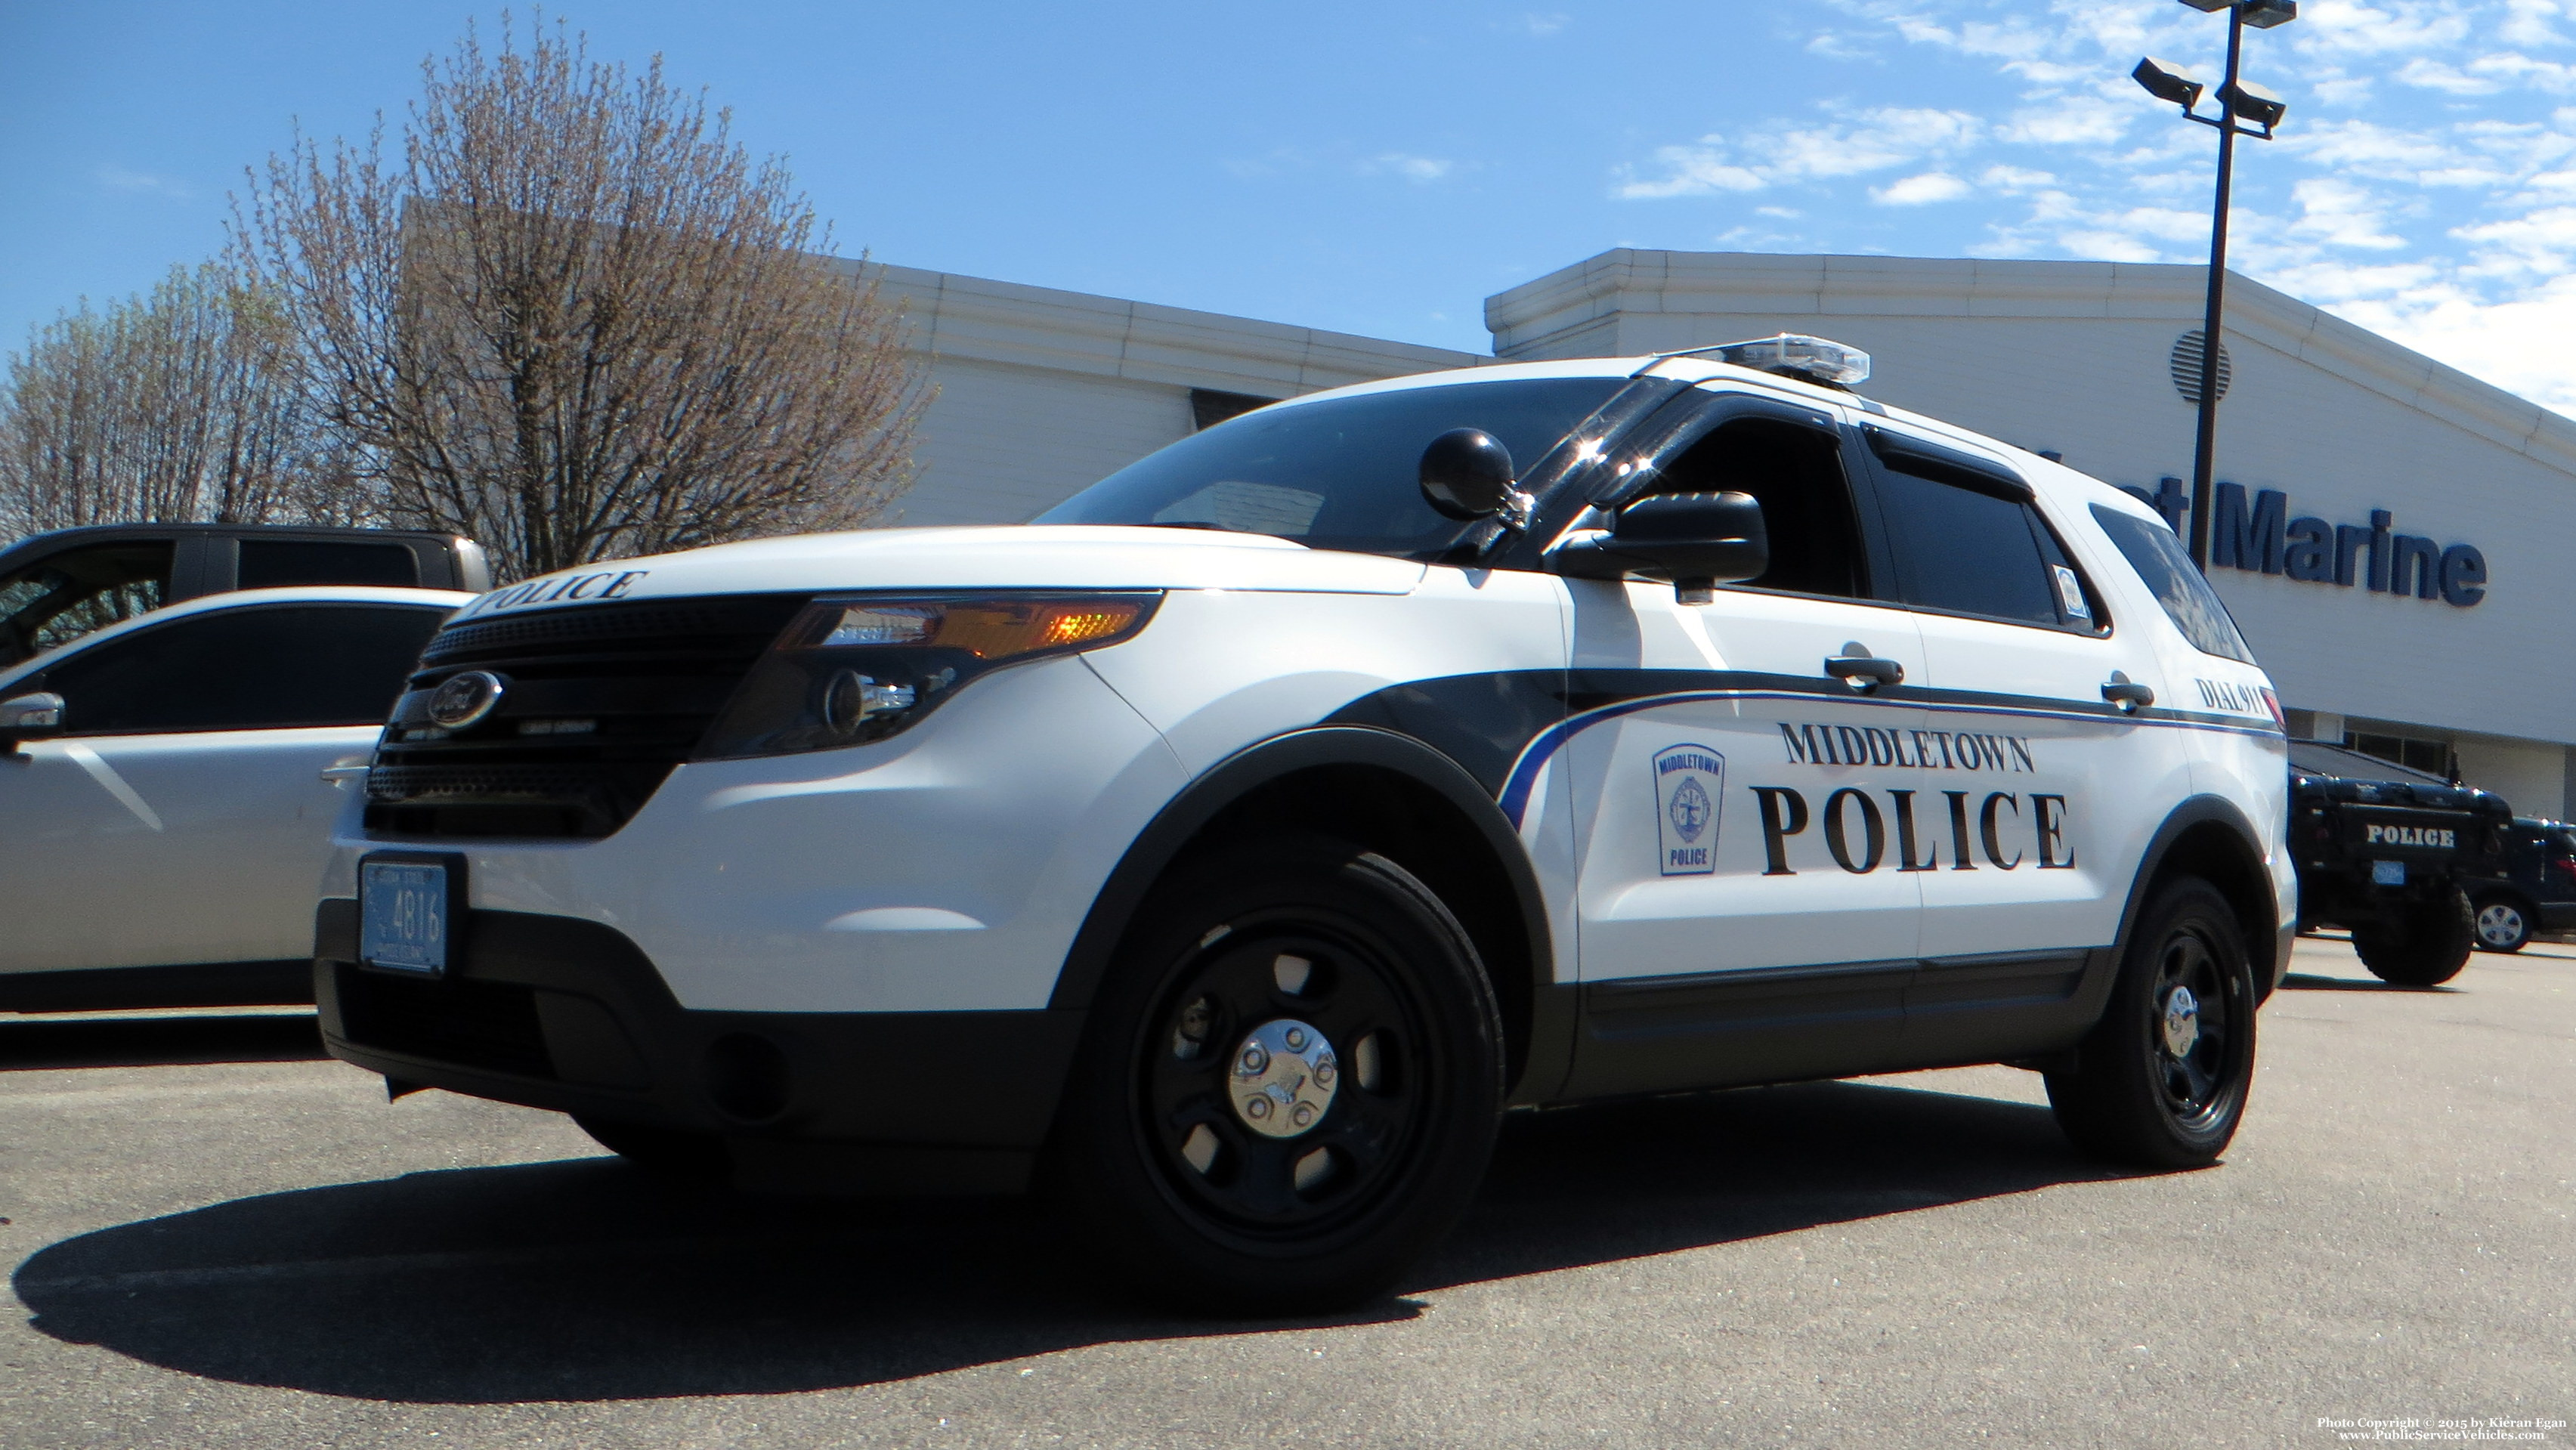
x=2162 y=1079
x=2424 y=948
x=2504 y=925
x=1289 y=1085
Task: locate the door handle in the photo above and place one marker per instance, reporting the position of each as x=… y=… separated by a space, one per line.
x=2128 y=694
x=1862 y=670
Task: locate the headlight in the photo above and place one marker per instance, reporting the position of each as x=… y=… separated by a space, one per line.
x=848 y=671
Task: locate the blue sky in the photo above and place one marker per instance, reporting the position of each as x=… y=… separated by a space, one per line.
x=1381 y=168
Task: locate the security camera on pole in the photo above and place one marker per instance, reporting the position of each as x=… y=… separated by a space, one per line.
x=2237 y=98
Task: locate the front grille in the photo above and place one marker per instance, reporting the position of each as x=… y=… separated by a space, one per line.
x=617 y=694
x=490 y=1025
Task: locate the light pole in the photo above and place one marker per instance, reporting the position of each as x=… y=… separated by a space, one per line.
x=2237 y=97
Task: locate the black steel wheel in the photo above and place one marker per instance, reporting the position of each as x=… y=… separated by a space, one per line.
x=2162 y=1080
x=1289 y=1086
x=2503 y=923
x=2424 y=948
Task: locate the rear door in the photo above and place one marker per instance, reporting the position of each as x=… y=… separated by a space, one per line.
x=183 y=817
x=1744 y=907
x=2049 y=792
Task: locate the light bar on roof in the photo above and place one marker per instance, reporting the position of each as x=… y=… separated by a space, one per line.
x=1796 y=355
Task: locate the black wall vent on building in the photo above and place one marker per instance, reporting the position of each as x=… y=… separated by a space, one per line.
x=2185 y=365
x=1208 y=407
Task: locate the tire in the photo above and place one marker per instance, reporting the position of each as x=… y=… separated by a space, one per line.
x=2425 y=948
x=2131 y=1096
x=1197 y=1197
x=668 y=1153
x=2503 y=924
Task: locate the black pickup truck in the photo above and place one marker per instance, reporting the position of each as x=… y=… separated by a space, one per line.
x=56 y=587
x=2389 y=853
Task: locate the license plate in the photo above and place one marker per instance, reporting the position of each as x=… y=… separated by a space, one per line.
x=2388 y=873
x=402 y=915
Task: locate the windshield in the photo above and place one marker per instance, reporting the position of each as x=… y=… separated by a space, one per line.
x=2316 y=757
x=66 y=595
x=1342 y=473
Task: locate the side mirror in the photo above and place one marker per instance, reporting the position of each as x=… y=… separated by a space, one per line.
x=1696 y=540
x=1467 y=474
x=29 y=717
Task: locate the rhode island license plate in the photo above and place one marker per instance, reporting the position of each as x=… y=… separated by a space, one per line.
x=402 y=915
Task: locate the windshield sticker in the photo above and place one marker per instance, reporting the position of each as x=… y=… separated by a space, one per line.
x=1690 y=781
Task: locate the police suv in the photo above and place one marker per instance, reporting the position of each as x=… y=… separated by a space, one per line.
x=1226 y=850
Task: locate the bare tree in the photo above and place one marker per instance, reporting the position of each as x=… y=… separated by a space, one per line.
x=179 y=405
x=577 y=321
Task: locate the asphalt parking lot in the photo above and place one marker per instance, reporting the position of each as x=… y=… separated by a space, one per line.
x=216 y=1236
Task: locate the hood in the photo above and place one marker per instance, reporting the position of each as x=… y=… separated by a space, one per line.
x=1014 y=556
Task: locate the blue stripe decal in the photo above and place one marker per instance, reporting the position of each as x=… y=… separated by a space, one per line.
x=1524 y=773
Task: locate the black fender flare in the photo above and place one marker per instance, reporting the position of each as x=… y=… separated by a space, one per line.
x=1152 y=852
x=2196 y=811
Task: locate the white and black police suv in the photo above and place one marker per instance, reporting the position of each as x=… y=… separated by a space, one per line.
x=1224 y=851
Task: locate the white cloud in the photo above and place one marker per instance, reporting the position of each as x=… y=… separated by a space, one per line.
x=1419 y=170
x=118 y=178
x=1541 y=26
x=2432 y=75
x=1880 y=140
x=2424 y=184
x=1920 y=190
x=2012 y=179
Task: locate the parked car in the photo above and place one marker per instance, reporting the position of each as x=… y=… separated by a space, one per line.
x=56 y=587
x=167 y=786
x=2391 y=853
x=2534 y=888
x=1226 y=849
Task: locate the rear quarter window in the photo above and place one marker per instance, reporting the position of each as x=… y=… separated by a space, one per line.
x=2167 y=571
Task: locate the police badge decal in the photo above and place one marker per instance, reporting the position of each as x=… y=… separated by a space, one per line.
x=1690 y=782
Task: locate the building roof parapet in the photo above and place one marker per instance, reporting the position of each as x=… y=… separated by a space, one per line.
x=1574 y=304
x=981 y=320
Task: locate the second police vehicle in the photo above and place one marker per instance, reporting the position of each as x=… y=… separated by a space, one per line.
x=1226 y=850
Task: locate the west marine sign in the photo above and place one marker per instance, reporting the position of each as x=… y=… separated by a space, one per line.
x=2264 y=537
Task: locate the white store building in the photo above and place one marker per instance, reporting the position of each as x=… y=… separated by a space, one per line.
x=2323 y=427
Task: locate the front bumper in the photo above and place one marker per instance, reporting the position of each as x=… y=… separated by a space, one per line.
x=566 y=1014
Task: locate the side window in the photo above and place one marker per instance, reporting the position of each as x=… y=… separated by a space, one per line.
x=1796 y=474
x=246 y=669
x=2167 y=571
x=277 y=563
x=64 y=596
x=1974 y=552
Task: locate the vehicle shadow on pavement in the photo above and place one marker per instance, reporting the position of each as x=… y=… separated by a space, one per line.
x=34 y=1043
x=587 y=1280
x=2300 y=982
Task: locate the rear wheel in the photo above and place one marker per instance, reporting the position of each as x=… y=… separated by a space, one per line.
x=2424 y=948
x=2161 y=1081
x=1290 y=1082
x=2504 y=924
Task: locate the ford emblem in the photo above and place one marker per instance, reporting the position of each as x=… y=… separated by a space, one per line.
x=464 y=699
